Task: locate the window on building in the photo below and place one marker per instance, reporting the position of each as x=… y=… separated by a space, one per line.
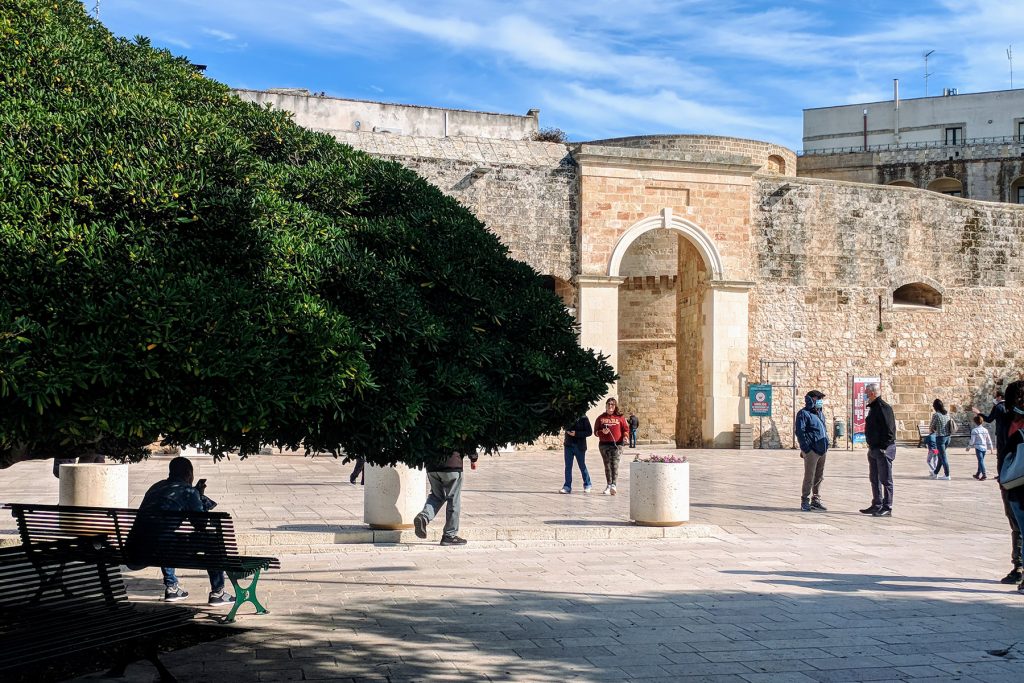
x=947 y=186
x=1016 y=190
x=1020 y=131
x=955 y=136
x=776 y=164
x=918 y=295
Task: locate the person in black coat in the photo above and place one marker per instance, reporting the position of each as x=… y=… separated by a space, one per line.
x=880 y=434
x=1007 y=439
x=576 y=450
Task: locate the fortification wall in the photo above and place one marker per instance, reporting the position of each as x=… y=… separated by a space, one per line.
x=527 y=193
x=987 y=171
x=771 y=158
x=826 y=252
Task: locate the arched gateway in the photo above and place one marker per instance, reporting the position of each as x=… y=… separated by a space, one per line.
x=665 y=275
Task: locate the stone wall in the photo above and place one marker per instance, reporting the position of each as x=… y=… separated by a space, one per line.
x=988 y=171
x=691 y=291
x=336 y=115
x=525 y=192
x=826 y=251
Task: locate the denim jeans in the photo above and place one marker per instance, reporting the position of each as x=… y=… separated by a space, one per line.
x=980 y=452
x=632 y=438
x=941 y=442
x=574 y=454
x=216 y=579
x=1018 y=513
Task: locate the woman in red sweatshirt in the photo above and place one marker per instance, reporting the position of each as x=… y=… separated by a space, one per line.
x=611 y=430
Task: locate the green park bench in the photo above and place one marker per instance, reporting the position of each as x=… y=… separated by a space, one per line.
x=193 y=540
x=63 y=597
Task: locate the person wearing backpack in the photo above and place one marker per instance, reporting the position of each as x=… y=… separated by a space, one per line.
x=941 y=428
x=1014 y=407
x=1014 y=497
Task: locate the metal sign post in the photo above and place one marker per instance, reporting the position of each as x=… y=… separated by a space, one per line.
x=780 y=374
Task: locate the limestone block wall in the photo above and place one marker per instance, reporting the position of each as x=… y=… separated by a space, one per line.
x=647 y=354
x=615 y=199
x=769 y=157
x=827 y=252
x=988 y=171
x=692 y=288
x=526 y=192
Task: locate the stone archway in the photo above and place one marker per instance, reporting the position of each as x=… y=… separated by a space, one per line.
x=691 y=368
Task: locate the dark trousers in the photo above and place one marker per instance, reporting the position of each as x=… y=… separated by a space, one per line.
x=1014 y=530
x=880 y=472
x=357 y=471
x=941 y=445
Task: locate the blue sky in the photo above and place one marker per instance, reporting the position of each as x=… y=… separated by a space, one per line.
x=597 y=68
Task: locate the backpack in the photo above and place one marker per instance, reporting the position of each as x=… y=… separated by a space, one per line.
x=951 y=427
x=1012 y=473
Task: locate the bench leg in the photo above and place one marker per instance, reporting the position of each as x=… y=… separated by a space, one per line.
x=245 y=594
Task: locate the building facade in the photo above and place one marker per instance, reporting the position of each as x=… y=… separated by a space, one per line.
x=968 y=145
x=689 y=260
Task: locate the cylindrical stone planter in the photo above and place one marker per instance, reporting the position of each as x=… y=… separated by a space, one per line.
x=659 y=493
x=94 y=484
x=392 y=496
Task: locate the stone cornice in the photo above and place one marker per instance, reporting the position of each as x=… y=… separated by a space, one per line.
x=732 y=285
x=620 y=157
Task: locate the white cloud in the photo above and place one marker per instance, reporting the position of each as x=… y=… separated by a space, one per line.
x=220 y=35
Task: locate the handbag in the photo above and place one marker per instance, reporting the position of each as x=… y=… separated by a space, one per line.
x=1012 y=473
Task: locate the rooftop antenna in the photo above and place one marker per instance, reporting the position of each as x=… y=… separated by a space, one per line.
x=926 y=73
x=1009 y=55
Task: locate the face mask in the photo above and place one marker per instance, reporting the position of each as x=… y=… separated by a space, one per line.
x=819 y=404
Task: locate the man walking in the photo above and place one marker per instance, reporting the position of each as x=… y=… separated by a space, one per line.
x=445 y=481
x=576 y=451
x=813 y=438
x=634 y=424
x=1002 y=417
x=880 y=433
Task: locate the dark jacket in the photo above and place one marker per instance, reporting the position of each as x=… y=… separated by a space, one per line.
x=583 y=430
x=810 y=428
x=1001 y=417
x=880 y=425
x=453 y=463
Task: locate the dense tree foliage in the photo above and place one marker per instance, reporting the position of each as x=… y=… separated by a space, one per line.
x=177 y=262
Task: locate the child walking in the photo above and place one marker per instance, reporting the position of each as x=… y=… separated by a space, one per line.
x=980 y=442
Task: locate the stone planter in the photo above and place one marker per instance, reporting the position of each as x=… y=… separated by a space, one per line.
x=659 y=493
x=392 y=496
x=97 y=485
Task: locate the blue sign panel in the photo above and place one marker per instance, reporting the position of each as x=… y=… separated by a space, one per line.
x=760 y=400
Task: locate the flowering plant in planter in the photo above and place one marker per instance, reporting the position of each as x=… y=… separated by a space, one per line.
x=661 y=458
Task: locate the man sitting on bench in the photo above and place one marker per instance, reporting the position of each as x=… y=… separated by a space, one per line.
x=175 y=494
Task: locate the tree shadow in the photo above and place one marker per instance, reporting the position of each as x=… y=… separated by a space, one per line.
x=862 y=627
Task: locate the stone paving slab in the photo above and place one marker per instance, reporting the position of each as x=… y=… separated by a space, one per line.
x=774 y=595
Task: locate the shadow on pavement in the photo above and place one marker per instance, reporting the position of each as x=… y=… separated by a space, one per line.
x=472 y=633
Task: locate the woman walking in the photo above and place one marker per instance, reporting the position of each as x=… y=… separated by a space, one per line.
x=941 y=428
x=611 y=429
x=981 y=442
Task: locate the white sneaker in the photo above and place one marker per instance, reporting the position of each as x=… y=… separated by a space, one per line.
x=613 y=489
x=932 y=475
x=564 y=490
x=944 y=477
x=607 y=491
x=588 y=489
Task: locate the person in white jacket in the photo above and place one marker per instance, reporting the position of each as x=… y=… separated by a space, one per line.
x=981 y=442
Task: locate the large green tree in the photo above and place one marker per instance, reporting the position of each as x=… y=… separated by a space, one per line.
x=177 y=262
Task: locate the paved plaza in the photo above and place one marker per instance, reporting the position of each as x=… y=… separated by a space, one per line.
x=759 y=592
